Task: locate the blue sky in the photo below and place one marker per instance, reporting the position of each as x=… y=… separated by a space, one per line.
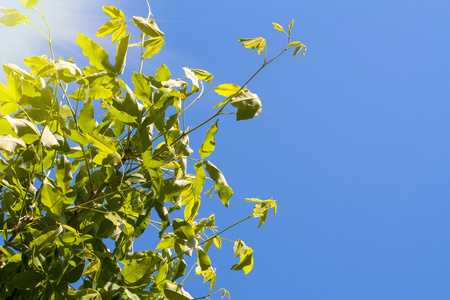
x=353 y=140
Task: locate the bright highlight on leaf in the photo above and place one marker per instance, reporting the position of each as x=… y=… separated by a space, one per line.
x=11 y=17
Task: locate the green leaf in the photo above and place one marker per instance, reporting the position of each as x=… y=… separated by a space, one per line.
x=248 y=104
x=93 y=268
x=121 y=115
x=225 y=192
x=298 y=49
x=191 y=209
x=245 y=254
x=148 y=27
x=77 y=137
x=97 y=55
x=153 y=47
x=122 y=48
x=26 y=280
x=246 y=100
x=47 y=237
x=109 y=28
x=293 y=44
x=261 y=208
x=290 y=26
x=278 y=27
x=101 y=142
x=64 y=173
x=141 y=88
x=52 y=200
x=86 y=118
x=255 y=43
x=67 y=70
x=176 y=292
x=37 y=63
x=136 y=270
x=200 y=178
x=183 y=229
x=24 y=129
x=163 y=73
x=175 y=187
x=86 y=294
x=227 y=89
x=11 y=17
x=202 y=74
x=209 y=144
x=203 y=259
x=113 y=12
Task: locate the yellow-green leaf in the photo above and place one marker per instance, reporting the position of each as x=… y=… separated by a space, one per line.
x=278 y=27
x=113 y=12
x=101 y=142
x=209 y=144
x=227 y=89
x=255 y=43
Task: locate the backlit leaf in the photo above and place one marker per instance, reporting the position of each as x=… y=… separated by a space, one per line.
x=97 y=55
x=122 y=48
x=101 y=142
x=209 y=144
x=148 y=27
x=227 y=89
x=11 y=17
x=255 y=43
x=203 y=259
x=154 y=47
x=86 y=118
x=113 y=12
x=30 y=3
x=278 y=27
x=163 y=73
x=64 y=173
x=225 y=192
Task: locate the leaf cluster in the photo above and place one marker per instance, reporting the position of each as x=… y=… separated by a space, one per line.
x=90 y=159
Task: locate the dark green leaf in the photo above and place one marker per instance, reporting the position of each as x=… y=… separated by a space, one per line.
x=26 y=280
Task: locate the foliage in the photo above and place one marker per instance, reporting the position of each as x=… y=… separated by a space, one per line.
x=87 y=156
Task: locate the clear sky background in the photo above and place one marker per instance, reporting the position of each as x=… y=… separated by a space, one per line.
x=353 y=140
